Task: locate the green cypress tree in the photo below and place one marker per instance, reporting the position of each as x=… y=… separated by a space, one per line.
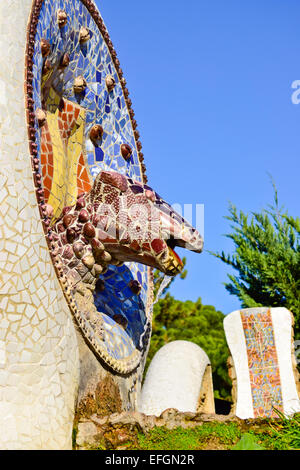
x=266 y=258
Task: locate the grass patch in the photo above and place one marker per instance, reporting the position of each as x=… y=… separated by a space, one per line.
x=208 y=435
x=273 y=434
x=276 y=434
x=283 y=434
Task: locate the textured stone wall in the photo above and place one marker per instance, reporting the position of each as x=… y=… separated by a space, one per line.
x=39 y=361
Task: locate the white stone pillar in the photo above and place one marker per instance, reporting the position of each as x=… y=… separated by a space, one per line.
x=38 y=348
x=175 y=380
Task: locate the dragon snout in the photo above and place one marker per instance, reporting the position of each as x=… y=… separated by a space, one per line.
x=189 y=238
x=193 y=241
x=177 y=232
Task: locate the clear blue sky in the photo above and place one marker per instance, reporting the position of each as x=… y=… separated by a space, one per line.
x=210 y=82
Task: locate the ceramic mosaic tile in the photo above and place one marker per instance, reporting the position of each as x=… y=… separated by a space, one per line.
x=263 y=371
x=263 y=363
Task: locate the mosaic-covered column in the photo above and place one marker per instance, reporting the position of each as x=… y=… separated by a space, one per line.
x=264 y=370
x=39 y=360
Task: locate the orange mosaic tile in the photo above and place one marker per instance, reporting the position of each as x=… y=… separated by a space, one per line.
x=46 y=160
x=67 y=120
x=83 y=182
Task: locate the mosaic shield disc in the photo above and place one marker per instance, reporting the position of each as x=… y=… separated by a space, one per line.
x=80 y=122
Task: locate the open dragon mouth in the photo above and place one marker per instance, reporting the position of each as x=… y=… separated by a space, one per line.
x=174 y=264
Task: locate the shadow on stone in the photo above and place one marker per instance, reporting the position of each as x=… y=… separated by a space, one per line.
x=222 y=406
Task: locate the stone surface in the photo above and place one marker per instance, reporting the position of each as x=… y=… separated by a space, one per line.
x=87 y=432
x=175 y=379
x=206 y=402
x=113 y=431
x=263 y=366
x=100 y=390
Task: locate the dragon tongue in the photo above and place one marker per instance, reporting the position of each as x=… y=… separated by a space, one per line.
x=176 y=255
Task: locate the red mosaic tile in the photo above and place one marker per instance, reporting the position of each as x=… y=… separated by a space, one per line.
x=263 y=364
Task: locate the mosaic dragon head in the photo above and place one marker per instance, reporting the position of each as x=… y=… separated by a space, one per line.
x=120 y=220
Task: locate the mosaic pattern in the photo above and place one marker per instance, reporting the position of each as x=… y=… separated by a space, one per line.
x=81 y=125
x=263 y=363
